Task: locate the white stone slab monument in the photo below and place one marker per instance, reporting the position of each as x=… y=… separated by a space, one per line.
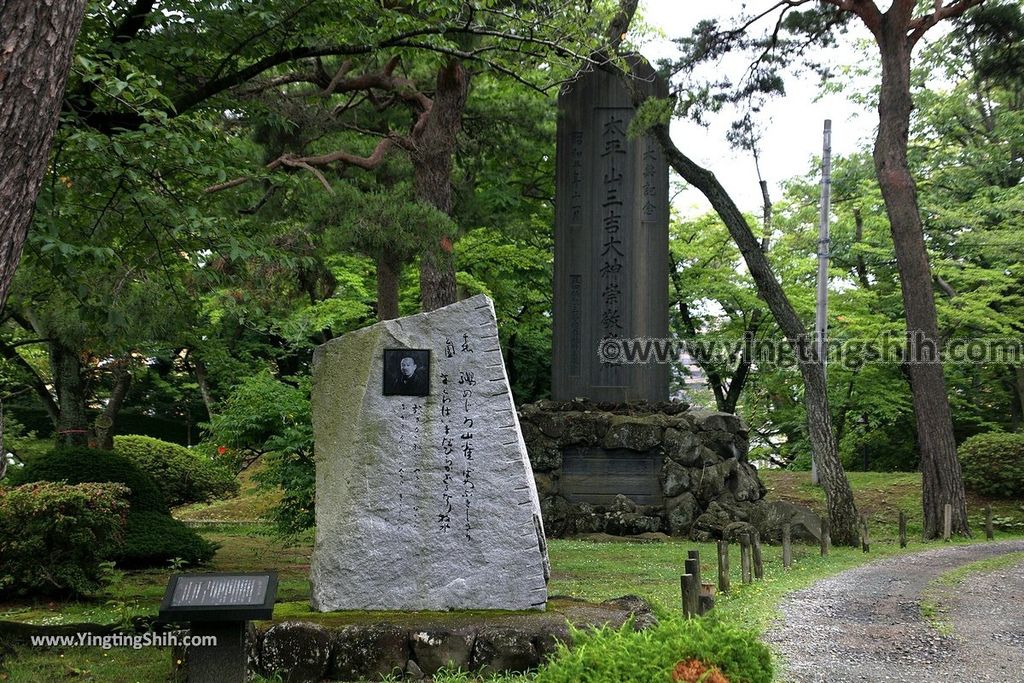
x=425 y=499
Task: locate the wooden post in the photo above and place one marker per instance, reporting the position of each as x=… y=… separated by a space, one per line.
x=745 y=557
x=682 y=594
x=758 y=564
x=723 y=566
x=825 y=536
x=903 y=529
x=693 y=601
x=691 y=595
x=947 y=522
x=695 y=556
x=865 y=538
x=989 y=534
x=787 y=545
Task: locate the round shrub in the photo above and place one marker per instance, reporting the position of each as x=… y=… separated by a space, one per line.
x=993 y=464
x=184 y=476
x=55 y=537
x=82 y=465
x=152 y=539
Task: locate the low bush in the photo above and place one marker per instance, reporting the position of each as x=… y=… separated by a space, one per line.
x=184 y=476
x=151 y=537
x=54 y=537
x=657 y=654
x=82 y=465
x=993 y=464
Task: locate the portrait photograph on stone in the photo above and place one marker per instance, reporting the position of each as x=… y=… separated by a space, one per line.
x=406 y=372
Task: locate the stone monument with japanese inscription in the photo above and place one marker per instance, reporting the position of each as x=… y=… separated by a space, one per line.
x=611 y=239
x=425 y=499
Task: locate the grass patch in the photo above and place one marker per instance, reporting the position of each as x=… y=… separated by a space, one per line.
x=935 y=596
x=581 y=569
x=88 y=664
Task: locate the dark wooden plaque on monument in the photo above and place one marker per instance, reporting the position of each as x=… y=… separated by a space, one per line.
x=611 y=239
x=597 y=475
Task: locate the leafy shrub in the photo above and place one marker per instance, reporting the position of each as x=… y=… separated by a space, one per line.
x=993 y=464
x=81 y=465
x=151 y=537
x=265 y=416
x=54 y=537
x=627 y=656
x=184 y=476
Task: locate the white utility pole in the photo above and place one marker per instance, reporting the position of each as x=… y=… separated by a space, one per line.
x=821 y=319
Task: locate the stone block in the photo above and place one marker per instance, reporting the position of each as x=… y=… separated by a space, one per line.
x=423 y=502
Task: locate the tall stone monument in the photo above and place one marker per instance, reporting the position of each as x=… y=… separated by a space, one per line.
x=425 y=499
x=611 y=239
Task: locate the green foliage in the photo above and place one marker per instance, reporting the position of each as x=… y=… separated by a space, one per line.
x=80 y=465
x=993 y=464
x=264 y=415
x=624 y=655
x=153 y=539
x=54 y=537
x=184 y=476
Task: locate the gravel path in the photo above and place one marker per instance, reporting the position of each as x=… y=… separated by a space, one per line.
x=865 y=624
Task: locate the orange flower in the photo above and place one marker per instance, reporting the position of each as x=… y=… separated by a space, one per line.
x=696 y=671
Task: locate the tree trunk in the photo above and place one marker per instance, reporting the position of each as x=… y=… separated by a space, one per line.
x=432 y=180
x=389 y=272
x=838 y=495
x=942 y=479
x=105 y=422
x=72 y=425
x=1018 y=374
x=37 y=39
x=203 y=380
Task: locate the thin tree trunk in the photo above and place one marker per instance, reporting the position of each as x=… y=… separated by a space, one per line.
x=389 y=271
x=1018 y=374
x=838 y=495
x=432 y=180
x=37 y=39
x=862 y=268
x=203 y=380
x=106 y=421
x=941 y=475
x=72 y=425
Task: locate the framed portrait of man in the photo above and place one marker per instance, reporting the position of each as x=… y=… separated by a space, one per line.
x=406 y=372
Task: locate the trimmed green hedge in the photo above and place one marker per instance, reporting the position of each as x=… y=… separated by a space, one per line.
x=54 y=537
x=152 y=540
x=81 y=465
x=627 y=656
x=184 y=476
x=993 y=464
x=152 y=537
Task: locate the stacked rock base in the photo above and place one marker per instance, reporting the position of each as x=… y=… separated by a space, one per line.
x=705 y=488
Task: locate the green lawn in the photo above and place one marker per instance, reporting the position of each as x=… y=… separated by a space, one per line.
x=593 y=571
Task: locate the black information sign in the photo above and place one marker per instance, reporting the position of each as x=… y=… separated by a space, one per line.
x=219 y=597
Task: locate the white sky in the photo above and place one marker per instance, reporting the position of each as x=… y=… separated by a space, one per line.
x=793 y=123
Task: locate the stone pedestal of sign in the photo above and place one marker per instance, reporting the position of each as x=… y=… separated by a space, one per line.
x=611 y=240
x=423 y=502
x=218 y=606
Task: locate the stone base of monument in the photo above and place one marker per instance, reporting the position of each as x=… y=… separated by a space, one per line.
x=640 y=467
x=367 y=646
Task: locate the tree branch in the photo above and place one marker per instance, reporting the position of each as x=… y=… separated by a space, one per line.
x=34 y=380
x=919 y=26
